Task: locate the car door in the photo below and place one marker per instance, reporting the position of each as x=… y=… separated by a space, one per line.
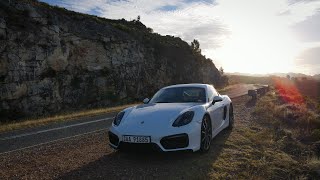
x=215 y=110
x=219 y=112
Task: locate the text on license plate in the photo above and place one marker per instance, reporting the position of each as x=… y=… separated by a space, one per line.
x=136 y=139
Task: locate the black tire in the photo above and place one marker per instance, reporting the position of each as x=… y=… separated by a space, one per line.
x=231 y=117
x=206 y=134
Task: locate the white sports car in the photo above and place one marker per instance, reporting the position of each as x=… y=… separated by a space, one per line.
x=178 y=117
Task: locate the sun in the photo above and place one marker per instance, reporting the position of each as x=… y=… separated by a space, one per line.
x=257 y=51
x=260 y=40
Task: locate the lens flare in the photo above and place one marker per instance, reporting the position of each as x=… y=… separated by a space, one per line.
x=288 y=91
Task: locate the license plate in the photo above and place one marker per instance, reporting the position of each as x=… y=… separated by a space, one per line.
x=136 y=139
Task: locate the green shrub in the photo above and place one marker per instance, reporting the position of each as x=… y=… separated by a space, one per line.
x=110 y=95
x=121 y=27
x=315 y=134
x=75 y=82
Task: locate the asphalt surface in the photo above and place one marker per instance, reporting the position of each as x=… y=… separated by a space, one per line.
x=32 y=137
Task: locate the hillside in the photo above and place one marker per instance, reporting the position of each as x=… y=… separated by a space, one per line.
x=52 y=59
x=317 y=76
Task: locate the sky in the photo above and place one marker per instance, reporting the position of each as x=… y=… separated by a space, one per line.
x=247 y=36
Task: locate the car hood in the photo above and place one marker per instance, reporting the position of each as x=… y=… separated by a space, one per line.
x=150 y=116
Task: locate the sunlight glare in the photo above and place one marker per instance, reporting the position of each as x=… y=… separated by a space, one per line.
x=260 y=42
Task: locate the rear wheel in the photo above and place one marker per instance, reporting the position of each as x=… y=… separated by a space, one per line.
x=231 y=117
x=206 y=134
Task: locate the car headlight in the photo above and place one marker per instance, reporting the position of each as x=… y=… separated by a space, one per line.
x=183 y=119
x=118 y=118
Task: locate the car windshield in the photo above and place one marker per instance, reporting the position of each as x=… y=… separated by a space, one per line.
x=180 y=95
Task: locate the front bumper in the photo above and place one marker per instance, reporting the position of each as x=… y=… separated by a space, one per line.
x=181 y=138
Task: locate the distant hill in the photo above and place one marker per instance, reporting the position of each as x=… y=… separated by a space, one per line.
x=317 y=76
x=291 y=74
x=53 y=59
x=245 y=74
x=235 y=78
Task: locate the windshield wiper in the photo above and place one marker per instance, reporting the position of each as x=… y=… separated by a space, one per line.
x=163 y=102
x=193 y=101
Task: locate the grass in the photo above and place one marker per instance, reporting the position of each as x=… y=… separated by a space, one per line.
x=223 y=90
x=236 y=79
x=294 y=129
x=278 y=138
x=28 y=123
x=253 y=155
x=286 y=112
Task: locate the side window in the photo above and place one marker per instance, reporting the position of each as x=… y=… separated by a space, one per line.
x=210 y=94
x=215 y=93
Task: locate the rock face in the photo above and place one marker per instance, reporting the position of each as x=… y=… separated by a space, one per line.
x=52 y=59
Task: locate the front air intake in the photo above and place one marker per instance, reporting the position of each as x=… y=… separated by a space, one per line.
x=175 y=141
x=113 y=138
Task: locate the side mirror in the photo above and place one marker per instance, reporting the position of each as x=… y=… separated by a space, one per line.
x=146 y=100
x=216 y=99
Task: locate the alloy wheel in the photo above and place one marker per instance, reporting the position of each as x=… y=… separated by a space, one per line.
x=206 y=134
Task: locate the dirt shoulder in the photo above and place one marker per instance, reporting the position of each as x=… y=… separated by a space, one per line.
x=68 y=116
x=246 y=152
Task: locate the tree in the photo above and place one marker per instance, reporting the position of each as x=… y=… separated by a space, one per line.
x=221 y=70
x=224 y=80
x=195 y=46
x=288 y=76
x=136 y=20
x=150 y=30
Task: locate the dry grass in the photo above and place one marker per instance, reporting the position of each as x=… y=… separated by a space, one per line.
x=27 y=123
x=256 y=151
x=252 y=155
x=236 y=79
x=295 y=129
x=223 y=90
x=298 y=117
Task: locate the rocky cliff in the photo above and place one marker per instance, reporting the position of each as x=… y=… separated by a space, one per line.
x=52 y=59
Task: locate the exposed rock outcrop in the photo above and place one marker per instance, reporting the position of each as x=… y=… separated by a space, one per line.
x=52 y=59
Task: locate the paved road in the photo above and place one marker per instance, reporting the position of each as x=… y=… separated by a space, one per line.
x=32 y=137
x=240 y=89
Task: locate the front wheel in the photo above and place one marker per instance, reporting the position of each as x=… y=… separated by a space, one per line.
x=231 y=117
x=206 y=134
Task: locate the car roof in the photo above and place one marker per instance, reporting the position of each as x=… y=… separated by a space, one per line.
x=188 y=85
